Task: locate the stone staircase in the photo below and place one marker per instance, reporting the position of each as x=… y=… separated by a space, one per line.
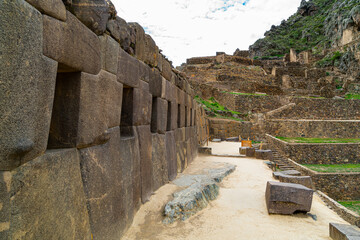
x=281 y=162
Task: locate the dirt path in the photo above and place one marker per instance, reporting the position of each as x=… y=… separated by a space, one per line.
x=238 y=213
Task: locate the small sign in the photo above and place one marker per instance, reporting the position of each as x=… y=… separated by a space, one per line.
x=246 y=143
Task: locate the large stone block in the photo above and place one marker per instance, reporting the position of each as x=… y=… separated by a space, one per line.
x=53 y=8
x=27 y=82
x=128 y=70
x=181 y=116
x=174 y=115
x=71 y=44
x=139 y=40
x=250 y=152
x=93 y=13
x=102 y=173
x=145 y=147
x=109 y=54
x=47 y=198
x=136 y=162
x=343 y=232
x=302 y=180
x=151 y=52
x=155 y=83
x=159 y=162
x=264 y=154
x=181 y=156
x=287 y=172
x=159 y=115
x=142 y=107
x=170 y=154
x=166 y=69
x=123 y=33
x=287 y=198
x=85 y=107
x=145 y=72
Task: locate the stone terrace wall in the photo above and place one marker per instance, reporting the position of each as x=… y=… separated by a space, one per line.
x=256 y=103
x=223 y=128
x=314 y=128
x=313 y=153
x=308 y=108
x=93 y=120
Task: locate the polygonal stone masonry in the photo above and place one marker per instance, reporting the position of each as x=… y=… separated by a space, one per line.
x=109 y=53
x=128 y=70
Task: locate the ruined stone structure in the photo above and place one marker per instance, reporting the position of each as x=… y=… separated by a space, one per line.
x=93 y=120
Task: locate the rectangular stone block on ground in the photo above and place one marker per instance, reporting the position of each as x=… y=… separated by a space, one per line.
x=109 y=53
x=73 y=45
x=128 y=70
x=85 y=106
x=205 y=150
x=27 y=85
x=48 y=200
x=145 y=147
x=287 y=172
x=302 y=180
x=287 y=198
x=142 y=107
x=53 y=8
x=344 y=231
x=170 y=153
x=250 y=152
x=263 y=154
x=101 y=170
x=159 y=162
x=159 y=115
x=242 y=150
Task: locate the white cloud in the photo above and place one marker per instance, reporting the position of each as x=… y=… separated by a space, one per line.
x=184 y=28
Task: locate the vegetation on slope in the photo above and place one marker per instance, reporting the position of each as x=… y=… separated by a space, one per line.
x=319 y=140
x=317 y=25
x=352 y=205
x=334 y=168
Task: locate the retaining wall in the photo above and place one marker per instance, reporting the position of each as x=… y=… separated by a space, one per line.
x=313 y=153
x=93 y=120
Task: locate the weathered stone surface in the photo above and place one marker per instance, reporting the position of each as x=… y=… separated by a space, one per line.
x=53 y=8
x=287 y=198
x=109 y=54
x=48 y=200
x=85 y=107
x=93 y=13
x=145 y=147
x=145 y=72
x=155 y=83
x=139 y=40
x=343 y=231
x=166 y=69
x=151 y=52
x=128 y=69
x=142 y=106
x=159 y=162
x=159 y=115
x=302 y=180
x=250 y=152
x=287 y=172
x=136 y=163
x=174 y=116
x=242 y=150
x=170 y=154
x=201 y=189
x=27 y=85
x=264 y=154
x=71 y=44
x=181 y=116
x=101 y=170
x=5 y=210
x=123 y=33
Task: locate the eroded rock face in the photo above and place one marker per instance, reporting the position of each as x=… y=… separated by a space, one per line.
x=93 y=13
x=307 y=8
x=287 y=198
x=123 y=33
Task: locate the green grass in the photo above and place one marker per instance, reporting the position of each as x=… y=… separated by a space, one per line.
x=334 y=168
x=352 y=205
x=215 y=107
x=319 y=140
x=352 y=96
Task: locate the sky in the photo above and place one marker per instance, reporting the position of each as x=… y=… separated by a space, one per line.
x=192 y=28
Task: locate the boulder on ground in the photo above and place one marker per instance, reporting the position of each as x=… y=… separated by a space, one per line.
x=344 y=231
x=288 y=172
x=250 y=152
x=263 y=154
x=287 y=198
x=302 y=180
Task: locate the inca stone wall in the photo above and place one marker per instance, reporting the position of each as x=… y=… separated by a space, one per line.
x=93 y=120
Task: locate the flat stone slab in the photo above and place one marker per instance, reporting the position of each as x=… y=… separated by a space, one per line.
x=200 y=189
x=287 y=172
x=216 y=140
x=344 y=231
x=287 y=198
x=302 y=180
